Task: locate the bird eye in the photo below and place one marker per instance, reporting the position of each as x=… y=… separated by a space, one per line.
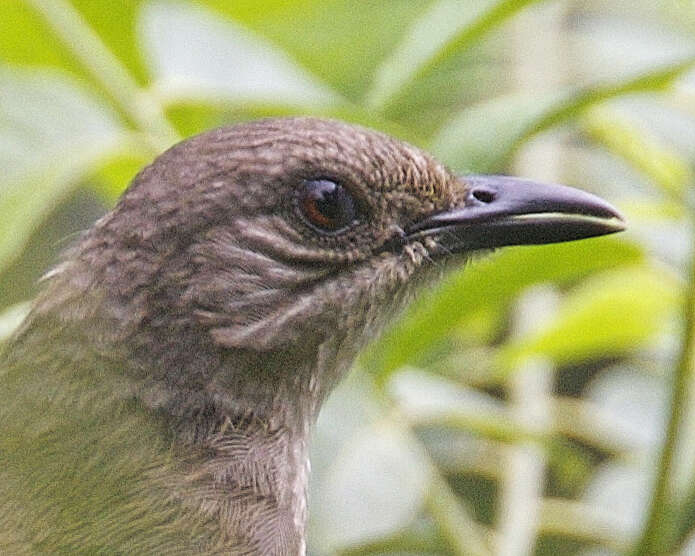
x=327 y=206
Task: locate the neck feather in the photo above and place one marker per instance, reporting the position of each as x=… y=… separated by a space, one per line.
x=252 y=477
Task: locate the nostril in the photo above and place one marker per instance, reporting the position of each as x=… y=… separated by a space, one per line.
x=483 y=195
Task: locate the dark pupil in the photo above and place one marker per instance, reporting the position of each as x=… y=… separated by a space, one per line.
x=327 y=205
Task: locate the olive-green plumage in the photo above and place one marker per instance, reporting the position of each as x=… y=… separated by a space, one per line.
x=160 y=395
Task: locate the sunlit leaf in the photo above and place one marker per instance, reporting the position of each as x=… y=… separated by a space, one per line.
x=194 y=117
x=115 y=174
x=490 y=285
x=194 y=54
x=116 y=29
x=610 y=314
x=26 y=40
x=652 y=210
x=107 y=71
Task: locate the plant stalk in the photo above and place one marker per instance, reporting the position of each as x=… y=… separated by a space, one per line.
x=661 y=525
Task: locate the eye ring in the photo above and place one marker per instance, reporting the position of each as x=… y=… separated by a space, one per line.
x=326 y=206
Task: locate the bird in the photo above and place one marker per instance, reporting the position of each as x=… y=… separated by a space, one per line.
x=160 y=395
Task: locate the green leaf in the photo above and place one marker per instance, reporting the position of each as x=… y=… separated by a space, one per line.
x=482 y=138
x=609 y=314
x=25 y=39
x=115 y=174
x=116 y=29
x=490 y=286
x=652 y=210
x=107 y=71
x=220 y=59
x=194 y=117
x=340 y=44
x=449 y=27
x=621 y=136
x=51 y=135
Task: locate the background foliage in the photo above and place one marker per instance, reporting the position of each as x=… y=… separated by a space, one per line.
x=537 y=403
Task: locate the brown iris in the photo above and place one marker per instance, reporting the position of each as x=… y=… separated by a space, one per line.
x=326 y=205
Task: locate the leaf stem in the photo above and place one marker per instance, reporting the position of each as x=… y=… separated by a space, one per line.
x=108 y=71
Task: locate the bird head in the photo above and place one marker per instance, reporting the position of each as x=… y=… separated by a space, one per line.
x=250 y=263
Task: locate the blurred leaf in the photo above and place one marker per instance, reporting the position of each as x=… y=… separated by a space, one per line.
x=672 y=14
x=51 y=134
x=108 y=72
x=652 y=210
x=420 y=394
x=429 y=400
x=634 y=403
x=665 y=118
x=448 y=26
x=585 y=521
x=612 y=46
x=490 y=284
x=593 y=425
x=466 y=78
x=609 y=314
x=194 y=54
x=481 y=138
x=116 y=29
x=195 y=117
x=420 y=539
x=247 y=11
x=351 y=407
x=620 y=491
x=340 y=44
x=26 y=40
x=375 y=487
x=622 y=137
x=455 y=520
x=42 y=112
x=116 y=173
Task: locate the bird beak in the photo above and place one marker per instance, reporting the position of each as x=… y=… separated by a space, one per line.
x=501 y=210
